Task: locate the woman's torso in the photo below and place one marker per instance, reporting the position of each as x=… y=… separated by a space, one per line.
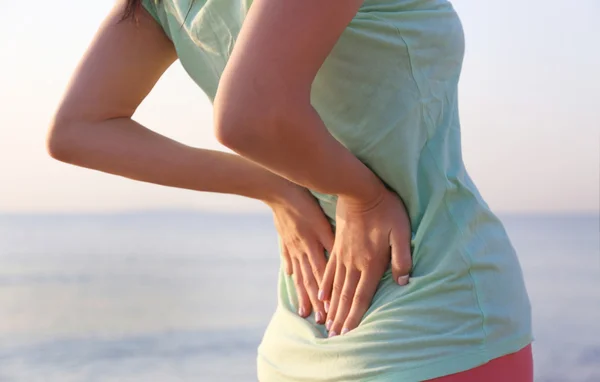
x=388 y=92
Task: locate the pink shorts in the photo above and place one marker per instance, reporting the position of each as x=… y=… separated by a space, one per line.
x=515 y=367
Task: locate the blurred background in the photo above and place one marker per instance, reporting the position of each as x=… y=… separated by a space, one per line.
x=106 y=279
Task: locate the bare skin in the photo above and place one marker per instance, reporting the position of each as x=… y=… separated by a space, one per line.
x=305 y=235
x=93 y=128
x=269 y=119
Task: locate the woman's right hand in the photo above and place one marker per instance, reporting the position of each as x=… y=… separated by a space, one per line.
x=305 y=234
x=368 y=236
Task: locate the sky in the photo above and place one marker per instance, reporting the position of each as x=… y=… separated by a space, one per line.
x=529 y=105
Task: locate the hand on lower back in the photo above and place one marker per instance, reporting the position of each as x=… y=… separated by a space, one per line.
x=366 y=236
x=305 y=234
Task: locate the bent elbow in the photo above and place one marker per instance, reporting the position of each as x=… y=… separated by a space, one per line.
x=225 y=131
x=60 y=142
x=241 y=125
x=230 y=125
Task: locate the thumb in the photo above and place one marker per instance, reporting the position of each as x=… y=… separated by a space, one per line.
x=401 y=258
x=287 y=261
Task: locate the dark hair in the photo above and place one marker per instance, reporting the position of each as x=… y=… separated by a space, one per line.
x=131 y=7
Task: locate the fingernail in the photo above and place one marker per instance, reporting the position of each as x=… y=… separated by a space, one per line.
x=318 y=317
x=301 y=311
x=326 y=307
x=328 y=324
x=332 y=333
x=403 y=280
x=320 y=295
x=344 y=331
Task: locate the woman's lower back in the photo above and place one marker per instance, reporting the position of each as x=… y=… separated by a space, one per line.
x=465 y=305
x=388 y=92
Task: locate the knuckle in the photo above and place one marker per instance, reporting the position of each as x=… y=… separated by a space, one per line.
x=361 y=300
x=307 y=283
x=369 y=256
x=337 y=289
x=368 y=259
x=345 y=299
x=293 y=253
x=296 y=242
x=368 y=265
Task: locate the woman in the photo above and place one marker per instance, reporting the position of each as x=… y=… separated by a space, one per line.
x=356 y=102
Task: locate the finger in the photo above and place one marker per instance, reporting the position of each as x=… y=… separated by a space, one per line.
x=336 y=292
x=316 y=257
x=303 y=300
x=287 y=262
x=401 y=258
x=345 y=302
x=312 y=289
x=327 y=238
x=362 y=300
x=327 y=282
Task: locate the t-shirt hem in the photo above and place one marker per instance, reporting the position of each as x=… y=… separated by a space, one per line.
x=433 y=369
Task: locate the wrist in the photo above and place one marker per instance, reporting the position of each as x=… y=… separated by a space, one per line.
x=281 y=193
x=366 y=197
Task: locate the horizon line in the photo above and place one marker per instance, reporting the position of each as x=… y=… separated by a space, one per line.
x=200 y=211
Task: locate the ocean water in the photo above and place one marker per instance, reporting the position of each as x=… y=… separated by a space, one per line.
x=185 y=296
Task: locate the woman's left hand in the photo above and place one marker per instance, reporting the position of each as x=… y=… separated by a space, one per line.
x=361 y=255
x=305 y=235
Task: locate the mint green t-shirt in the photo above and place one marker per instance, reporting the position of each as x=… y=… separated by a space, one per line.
x=388 y=92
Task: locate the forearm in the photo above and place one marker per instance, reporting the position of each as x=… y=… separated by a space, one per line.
x=123 y=147
x=263 y=104
x=297 y=146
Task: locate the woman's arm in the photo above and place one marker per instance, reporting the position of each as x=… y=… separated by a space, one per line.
x=263 y=112
x=93 y=126
x=262 y=107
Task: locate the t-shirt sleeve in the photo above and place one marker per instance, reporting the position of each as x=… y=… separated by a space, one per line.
x=150 y=6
